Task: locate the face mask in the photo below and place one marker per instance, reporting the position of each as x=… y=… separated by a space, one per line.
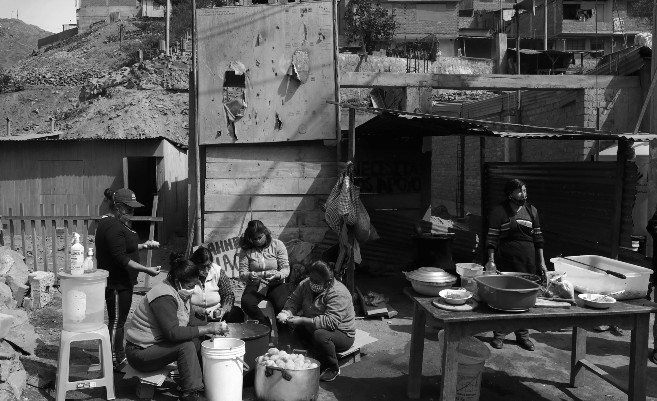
x=185 y=294
x=316 y=288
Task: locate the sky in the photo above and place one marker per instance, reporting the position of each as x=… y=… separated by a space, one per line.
x=46 y=14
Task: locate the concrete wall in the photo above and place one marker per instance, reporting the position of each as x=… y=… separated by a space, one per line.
x=91 y=11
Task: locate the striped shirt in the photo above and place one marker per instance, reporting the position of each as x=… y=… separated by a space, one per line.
x=506 y=225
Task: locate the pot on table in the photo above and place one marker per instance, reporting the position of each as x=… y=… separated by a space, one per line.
x=278 y=384
x=430 y=280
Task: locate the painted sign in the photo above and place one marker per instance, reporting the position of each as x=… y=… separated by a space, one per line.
x=224 y=252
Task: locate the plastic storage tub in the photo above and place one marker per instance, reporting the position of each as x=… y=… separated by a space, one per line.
x=589 y=280
x=83 y=300
x=507 y=293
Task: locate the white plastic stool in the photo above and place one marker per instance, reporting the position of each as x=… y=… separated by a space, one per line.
x=267 y=309
x=64 y=369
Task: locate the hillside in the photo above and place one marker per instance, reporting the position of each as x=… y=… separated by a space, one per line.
x=95 y=87
x=17 y=40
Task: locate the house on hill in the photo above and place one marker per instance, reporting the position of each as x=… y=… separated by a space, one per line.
x=59 y=173
x=92 y=11
x=574 y=25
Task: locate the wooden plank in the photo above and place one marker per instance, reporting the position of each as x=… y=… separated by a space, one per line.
x=240 y=203
x=34 y=245
x=270 y=169
x=485 y=81
x=577 y=353
x=53 y=235
x=638 y=356
x=151 y=237
x=416 y=353
x=11 y=232
x=269 y=186
x=271 y=219
x=289 y=152
x=609 y=378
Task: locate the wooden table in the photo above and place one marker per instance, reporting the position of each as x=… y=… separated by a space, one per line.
x=633 y=315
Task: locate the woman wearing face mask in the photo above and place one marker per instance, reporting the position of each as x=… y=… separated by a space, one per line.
x=515 y=244
x=117 y=251
x=263 y=267
x=162 y=330
x=321 y=314
x=214 y=295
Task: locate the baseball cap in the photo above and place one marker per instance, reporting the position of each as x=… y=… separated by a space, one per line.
x=127 y=197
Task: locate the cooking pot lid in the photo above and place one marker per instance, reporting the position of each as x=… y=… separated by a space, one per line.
x=247 y=331
x=431 y=275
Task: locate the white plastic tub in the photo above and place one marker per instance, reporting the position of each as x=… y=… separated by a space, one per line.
x=589 y=280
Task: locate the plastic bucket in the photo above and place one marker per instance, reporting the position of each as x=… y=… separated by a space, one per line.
x=223 y=367
x=83 y=301
x=471 y=357
x=256 y=340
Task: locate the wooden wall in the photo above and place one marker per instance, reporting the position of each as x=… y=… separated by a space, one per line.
x=67 y=172
x=173 y=190
x=286 y=184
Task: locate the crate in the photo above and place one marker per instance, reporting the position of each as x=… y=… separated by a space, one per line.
x=590 y=280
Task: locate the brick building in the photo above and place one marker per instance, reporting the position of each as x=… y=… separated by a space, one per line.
x=479 y=20
x=608 y=25
x=91 y=11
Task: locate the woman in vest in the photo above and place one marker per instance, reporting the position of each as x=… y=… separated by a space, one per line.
x=263 y=267
x=515 y=244
x=321 y=313
x=162 y=330
x=214 y=295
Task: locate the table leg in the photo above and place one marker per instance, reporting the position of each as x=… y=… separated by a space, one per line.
x=638 y=358
x=578 y=353
x=417 y=352
x=449 y=363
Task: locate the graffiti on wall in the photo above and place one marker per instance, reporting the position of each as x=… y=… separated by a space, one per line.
x=386 y=177
x=225 y=252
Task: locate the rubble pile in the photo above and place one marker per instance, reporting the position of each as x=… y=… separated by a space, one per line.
x=158 y=73
x=17 y=336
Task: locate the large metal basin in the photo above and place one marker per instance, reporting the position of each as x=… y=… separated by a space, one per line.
x=276 y=384
x=508 y=293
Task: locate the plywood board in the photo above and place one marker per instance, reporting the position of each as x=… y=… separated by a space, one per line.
x=265 y=73
x=240 y=203
x=271 y=169
x=263 y=186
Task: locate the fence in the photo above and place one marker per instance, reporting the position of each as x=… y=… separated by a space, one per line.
x=52 y=233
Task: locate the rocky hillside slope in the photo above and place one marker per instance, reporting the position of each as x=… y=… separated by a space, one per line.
x=17 y=40
x=94 y=86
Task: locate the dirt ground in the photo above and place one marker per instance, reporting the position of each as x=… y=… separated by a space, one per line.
x=510 y=373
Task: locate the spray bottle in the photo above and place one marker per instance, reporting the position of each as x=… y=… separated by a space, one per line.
x=89 y=265
x=77 y=256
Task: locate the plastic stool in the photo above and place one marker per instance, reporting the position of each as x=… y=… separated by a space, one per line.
x=63 y=384
x=268 y=310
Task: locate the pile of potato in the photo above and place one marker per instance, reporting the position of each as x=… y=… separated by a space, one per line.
x=277 y=358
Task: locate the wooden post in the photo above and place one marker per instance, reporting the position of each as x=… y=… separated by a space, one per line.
x=53 y=231
x=545 y=23
x=43 y=238
x=34 y=244
x=151 y=237
x=351 y=153
x=22 y=213
x=168 y=26
x=11 y=231
x=125 y=172
x=336 y=77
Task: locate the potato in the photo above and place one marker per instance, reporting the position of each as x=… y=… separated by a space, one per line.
x=273 y=351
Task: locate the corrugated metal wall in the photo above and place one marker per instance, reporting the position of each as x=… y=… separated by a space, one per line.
x=575 y=202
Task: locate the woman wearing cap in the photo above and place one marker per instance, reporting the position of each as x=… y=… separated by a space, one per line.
x=321 y=313
x=263 y=267
x=214 y=295
x=515 y=244
x=117 y=251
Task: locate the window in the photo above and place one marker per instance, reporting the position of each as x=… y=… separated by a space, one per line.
x=575 y=44
x=597 y=44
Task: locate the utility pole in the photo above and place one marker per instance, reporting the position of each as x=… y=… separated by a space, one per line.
x=166 y=35
x=545 y=24
x=652 y=172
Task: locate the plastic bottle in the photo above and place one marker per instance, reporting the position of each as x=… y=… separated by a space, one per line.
x=77 y=255
x=89 y=264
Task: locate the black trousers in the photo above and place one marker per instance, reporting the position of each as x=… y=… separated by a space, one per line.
x=118 y=303
x=322 y=344
x=276 y=293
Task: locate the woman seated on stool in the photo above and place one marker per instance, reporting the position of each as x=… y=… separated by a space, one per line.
x=214 y=295
x=263 y=267
x=321 y=315
x=162 y=330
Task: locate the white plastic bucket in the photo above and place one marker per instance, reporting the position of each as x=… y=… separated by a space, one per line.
x=471 y=357
x=223 y=367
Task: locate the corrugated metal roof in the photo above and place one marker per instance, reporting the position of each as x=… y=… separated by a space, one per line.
x=31 y=137
x=392 y=122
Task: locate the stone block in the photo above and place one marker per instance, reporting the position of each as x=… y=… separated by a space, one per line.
x=41 y=284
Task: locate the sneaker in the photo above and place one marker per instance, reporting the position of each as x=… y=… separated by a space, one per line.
x=329 y=374
x=193 y=396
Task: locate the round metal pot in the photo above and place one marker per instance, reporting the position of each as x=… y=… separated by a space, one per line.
x=277 y=384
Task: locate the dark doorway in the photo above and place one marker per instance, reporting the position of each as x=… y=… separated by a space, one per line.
x=142 y=179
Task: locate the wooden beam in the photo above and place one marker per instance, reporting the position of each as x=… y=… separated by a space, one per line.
x=485 y=81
